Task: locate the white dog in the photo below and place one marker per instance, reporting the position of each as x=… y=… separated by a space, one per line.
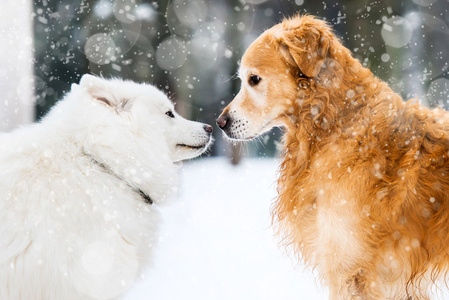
x=76 y=190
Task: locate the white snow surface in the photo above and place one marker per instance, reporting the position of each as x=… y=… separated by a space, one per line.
x=216 y=242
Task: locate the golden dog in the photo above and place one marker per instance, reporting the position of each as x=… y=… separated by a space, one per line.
x=363 y=190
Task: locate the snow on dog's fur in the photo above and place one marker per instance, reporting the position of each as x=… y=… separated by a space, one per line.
x=364 y=182
x=76 y=220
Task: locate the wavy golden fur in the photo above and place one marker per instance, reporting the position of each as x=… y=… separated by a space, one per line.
x=364 y=180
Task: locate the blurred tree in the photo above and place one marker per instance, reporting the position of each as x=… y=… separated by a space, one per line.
x=16 y=61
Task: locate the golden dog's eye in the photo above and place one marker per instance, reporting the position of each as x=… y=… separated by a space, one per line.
x=254 y=80
x=170 y=114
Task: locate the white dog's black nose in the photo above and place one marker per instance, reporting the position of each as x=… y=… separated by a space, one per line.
x=208 y=128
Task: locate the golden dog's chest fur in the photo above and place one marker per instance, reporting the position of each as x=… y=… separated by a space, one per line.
x=365 y=203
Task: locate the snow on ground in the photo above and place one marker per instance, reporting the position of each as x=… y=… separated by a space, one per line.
x=216 y=241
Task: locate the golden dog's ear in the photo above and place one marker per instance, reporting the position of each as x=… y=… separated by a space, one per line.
x=304 y=42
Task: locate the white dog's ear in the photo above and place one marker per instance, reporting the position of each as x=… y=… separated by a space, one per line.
x=74 y=86
x=97 y=88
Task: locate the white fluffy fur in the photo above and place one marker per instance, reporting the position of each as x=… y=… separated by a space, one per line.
x=69 y=228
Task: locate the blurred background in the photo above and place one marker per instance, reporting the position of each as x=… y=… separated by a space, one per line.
x=191 y=50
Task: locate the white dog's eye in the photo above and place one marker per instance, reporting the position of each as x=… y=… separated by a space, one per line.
x=170 y=114
x=254 y=80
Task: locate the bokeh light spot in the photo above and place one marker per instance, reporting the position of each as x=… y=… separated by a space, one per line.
x=171 y=54
x=424 y=2
x=438 y=92
x=396 y=32
x=100 y=48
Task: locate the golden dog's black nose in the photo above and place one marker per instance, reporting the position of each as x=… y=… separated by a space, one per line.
x=223 y=122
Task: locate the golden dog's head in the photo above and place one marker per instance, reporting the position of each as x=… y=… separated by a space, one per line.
x=280 y=72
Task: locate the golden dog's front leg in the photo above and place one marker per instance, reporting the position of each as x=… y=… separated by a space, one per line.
x=338 y=286
x=359 y=288
x=354 y=286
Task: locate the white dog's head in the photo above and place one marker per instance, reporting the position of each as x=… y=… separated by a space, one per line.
x=150 y=115
x=132 y=129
